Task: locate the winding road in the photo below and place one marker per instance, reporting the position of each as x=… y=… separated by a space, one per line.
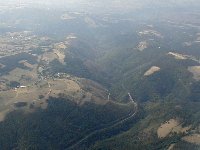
x=112 y=126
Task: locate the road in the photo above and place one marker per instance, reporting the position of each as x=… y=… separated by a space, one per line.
x=112 y=126
x=108 y=96
x=131 y=98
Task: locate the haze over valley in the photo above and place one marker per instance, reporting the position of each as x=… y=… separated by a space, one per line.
x=100 y=75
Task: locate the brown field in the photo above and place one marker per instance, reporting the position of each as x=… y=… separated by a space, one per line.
x=194 y=139
x=171 y=126
x=166 y=128
x=24 y=76
x=151 y=71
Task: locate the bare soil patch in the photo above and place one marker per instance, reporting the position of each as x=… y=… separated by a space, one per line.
x=151 y=71
x=171 y=126
x=194 y=139
x=165 y=129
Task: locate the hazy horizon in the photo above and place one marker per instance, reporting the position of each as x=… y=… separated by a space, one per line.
x=112 y=4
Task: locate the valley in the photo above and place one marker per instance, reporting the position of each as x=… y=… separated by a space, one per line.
x=96 y=77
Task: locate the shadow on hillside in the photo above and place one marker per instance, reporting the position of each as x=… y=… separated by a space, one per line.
x=58 y=126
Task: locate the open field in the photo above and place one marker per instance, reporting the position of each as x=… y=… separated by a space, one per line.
x=194 y=139
x=166 y=128
x=152 y=70
x=34 y=92
x=22 y=75
x=171 y=126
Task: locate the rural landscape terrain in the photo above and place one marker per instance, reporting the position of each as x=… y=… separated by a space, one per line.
x=98 y=75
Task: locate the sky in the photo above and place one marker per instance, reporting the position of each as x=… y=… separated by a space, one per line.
x=109 y=4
